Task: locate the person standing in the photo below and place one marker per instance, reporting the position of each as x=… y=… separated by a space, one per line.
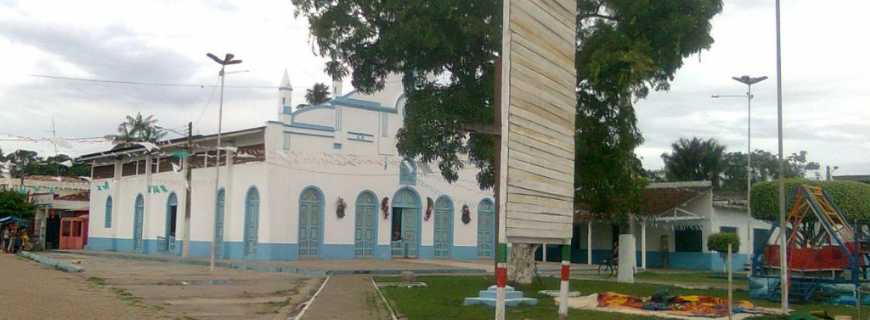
x=10 y=243
x=4 y=237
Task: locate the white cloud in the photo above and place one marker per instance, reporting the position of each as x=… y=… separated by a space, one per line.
x=824 y=85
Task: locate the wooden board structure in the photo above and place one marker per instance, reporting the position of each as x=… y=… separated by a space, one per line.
x=537 y=101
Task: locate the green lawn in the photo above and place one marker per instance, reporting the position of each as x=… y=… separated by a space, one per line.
x=443 y=298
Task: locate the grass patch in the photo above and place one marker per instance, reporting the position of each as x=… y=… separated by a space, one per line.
x=97 y=281
x=691 y=278
x=443 y=298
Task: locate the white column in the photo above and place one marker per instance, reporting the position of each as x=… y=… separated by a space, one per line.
x=544 y=251
x=147 y=215
x=589 y=243
x=643 y=244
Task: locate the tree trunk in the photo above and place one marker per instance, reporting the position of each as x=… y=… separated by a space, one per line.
x=521 y=266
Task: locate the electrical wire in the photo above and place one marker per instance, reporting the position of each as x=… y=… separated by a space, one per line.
x=145 y=83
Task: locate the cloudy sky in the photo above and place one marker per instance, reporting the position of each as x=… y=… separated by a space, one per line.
x=825 y=73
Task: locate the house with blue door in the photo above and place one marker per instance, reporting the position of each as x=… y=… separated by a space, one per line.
x=319 y=182
x=670 y=230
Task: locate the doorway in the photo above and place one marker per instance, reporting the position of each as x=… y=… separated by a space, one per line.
x=171 y=216
x=405 y=226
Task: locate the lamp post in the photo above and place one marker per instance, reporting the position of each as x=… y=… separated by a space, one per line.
x=783 y=261
x=748 y=81
x=227 y=60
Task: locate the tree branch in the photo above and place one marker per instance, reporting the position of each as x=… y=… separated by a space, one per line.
x=597 y=15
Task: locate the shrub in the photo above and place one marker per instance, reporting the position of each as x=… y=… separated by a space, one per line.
x=719 y=242
x=853 y=198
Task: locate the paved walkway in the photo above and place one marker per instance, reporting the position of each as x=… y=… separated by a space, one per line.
x=348 y=297
x=31 y=291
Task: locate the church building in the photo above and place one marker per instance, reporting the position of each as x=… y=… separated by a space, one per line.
x=322 y=182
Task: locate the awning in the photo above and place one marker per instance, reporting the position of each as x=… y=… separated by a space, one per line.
x=16 y=220
x=676 y=218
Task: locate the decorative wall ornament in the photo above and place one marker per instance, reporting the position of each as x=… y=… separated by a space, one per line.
x=385 y=207
x=466 y=214
x=429 y=205
x=340 y=205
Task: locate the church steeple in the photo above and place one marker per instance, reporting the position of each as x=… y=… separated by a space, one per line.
x=285 y=99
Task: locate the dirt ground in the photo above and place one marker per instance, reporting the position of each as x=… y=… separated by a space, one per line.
x=181 y=291
x=30 y=291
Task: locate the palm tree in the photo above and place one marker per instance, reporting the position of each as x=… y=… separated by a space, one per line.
x=695 y=159
x=137 y=129
x=318 y=94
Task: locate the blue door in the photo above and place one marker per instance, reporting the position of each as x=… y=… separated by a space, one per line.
x=443 y=227
x=405 y=224
x=252 y=222
x=366 y=233
x=310 y=217
x=485 y=228
x=219 y=225
x=138 y=221
x=171 y=216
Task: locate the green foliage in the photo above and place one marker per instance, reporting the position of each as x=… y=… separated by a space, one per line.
x=15 y=204
x=137 y=129
x=764 y=168
x=719 y=242
x=695 y=159
x=853 y=198
x=319 y=93
x=446 y=51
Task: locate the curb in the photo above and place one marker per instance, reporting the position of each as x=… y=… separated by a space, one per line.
x=49 y=262
x=272 y=268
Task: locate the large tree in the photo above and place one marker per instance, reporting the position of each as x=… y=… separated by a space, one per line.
x=137 y=128
x=319 y=93
x=446 y=52
x=695 y=159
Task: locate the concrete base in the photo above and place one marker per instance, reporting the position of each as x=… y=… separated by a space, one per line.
x=513 y=298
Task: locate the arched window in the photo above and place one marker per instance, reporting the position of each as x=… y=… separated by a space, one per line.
x=252 y=221
x=107 y=223
x=408 y=172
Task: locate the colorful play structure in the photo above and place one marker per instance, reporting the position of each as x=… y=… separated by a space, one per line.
x=827 y=256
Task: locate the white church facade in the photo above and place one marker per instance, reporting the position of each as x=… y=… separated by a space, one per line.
x=324 y=181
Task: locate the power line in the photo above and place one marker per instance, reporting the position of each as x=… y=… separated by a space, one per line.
x=144 y=83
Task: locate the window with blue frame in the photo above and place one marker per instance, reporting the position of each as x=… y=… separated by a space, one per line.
x=728 y=230
x=408 y=172
x=107 y=223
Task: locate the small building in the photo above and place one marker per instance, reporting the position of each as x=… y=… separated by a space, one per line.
x=672 y=229
x=324 y=182
x=55 y=198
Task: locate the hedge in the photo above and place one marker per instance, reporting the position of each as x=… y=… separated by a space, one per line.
x=853 y=198
x=719 y=242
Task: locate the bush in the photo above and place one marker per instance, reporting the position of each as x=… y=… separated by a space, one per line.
x=853 y=198
x=719 y=242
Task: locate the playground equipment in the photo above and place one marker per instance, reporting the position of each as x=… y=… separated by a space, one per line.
x=827 y=256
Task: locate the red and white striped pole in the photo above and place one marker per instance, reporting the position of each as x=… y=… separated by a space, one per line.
x=563 y=287
x=500 y=281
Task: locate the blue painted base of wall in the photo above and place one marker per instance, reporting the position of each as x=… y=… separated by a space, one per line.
x=654 y=259
x=234 y=250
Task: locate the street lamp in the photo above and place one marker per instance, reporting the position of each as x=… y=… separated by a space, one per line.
x=783 y=261
x=748 y=81
x=228 y=60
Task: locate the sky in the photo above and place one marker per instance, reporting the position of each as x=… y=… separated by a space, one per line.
x=825 y=74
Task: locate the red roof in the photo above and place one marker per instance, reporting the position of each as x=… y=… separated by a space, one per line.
x=657 y=198
x=81 y=196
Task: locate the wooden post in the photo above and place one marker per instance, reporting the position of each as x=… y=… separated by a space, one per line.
x=185 y=244
x=730 y=289
x=565 y=276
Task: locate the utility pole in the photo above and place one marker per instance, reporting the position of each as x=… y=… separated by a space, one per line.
x=185 y=247
x=228 y=59
x=783 y=247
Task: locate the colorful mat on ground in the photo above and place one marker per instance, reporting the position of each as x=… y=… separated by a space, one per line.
x=690 y=305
